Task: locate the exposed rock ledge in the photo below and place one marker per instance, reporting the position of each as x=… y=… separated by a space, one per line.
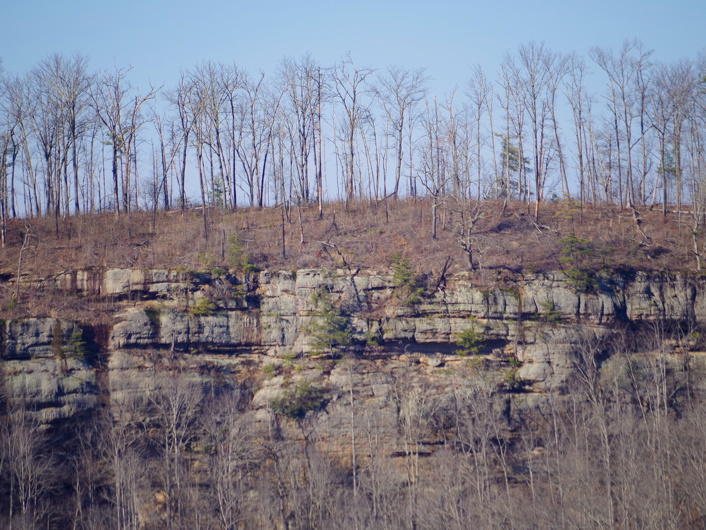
x=534 y=320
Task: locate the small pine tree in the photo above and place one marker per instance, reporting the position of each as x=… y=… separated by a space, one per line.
x=331 y=330
x=238 y=259
x=575 y=253
x=469 y=340
x=203 y=307
x=509 y=185
x=77 y=347
x=404 y=279
x=402 y=271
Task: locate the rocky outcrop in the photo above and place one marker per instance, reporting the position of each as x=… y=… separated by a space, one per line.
x=32 y=337
x=536 y=315
x=44 y=368
x=54 y=389
x=536 y=322
x=198 y=365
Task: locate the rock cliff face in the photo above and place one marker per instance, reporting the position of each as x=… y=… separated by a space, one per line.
x=320 y=361
x=530 y=328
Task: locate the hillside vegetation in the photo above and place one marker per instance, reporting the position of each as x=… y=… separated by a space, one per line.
x=500 y=324
x=506 y=241
x=425 y=395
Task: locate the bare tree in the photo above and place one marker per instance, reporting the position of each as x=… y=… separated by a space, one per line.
x=47 y=124
x=661 y=116
x=375 y=156
x=399 y=91
x=74 y=87
x=259 y=108
x=350 y=89
x=125 y=440
x=118 y=109
x=468 y=213
x=623 y=71
x=481 y=96
x=210 y=98
x=30 y=465
x=302 y=85
x=169 y=144
x=513 y=138
x=684 y=87
x=575 y=92
x=558 y=70
x=195 y=106
x=417 y=406
x=9 y=149
x=434 y=160
x=534 y=79
x=231 y=82
x=233 y=456
x=18 y=107
x=182 y=98
x=176 y=401
x=698 y=221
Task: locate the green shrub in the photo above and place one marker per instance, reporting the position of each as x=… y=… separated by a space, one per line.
x=514 y=291
x=581 y=280
x=270 y=370
x=402 y=271
x=153 y=315
x=469 y=340
x=512 y=361
x=574 y=254
x=513 y=382
x=373 y=339
x=10 y=304
x=57 y=340
x=202 y=307
x=409 y=285
x=533 y=269
x=217 y=272
x=414 y=297
x=238 y=259
x=330 y=330
x=573 y=248
x=549 y=312
x=298 y=401
x=207 y=260
x=475 y=363
x=77 y=347
x=289 y=356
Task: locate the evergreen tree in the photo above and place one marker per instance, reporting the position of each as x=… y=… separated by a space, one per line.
x=508 y=185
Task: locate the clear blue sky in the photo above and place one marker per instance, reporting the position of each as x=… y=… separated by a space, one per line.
x=159 y=37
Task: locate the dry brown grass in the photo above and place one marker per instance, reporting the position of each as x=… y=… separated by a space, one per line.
x=511 y=242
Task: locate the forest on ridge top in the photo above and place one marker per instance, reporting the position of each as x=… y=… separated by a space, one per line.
x=73 y=140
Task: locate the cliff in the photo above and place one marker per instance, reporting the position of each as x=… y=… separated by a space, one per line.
x=530 y=343
x=535 y=323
